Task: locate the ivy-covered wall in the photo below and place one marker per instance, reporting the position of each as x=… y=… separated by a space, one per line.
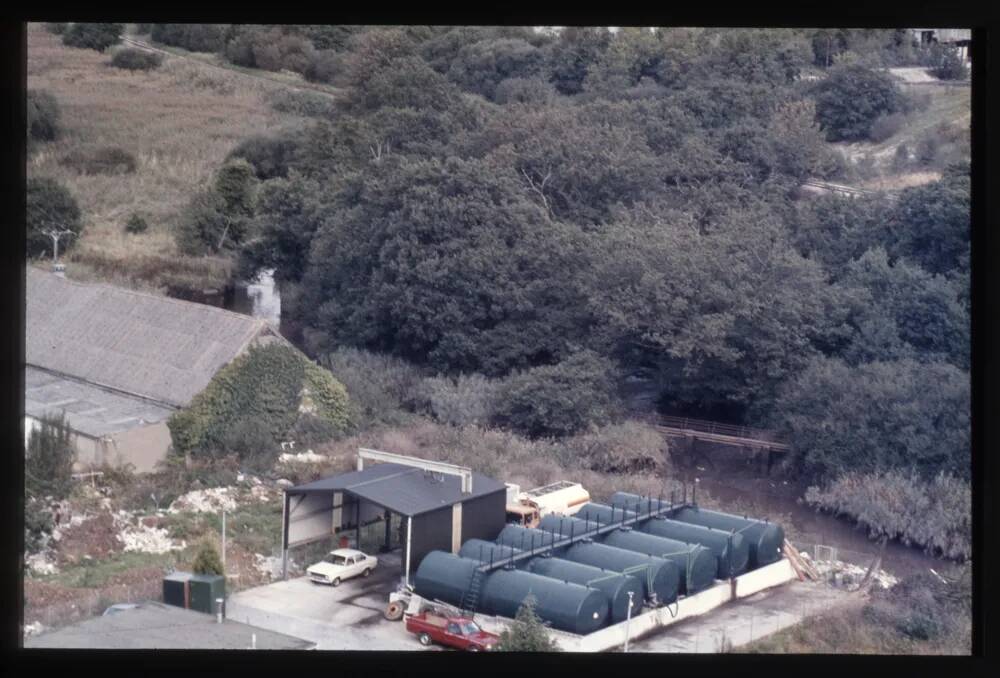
x=258 y=400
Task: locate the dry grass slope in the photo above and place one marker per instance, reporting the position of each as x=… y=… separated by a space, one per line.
x=179 y=121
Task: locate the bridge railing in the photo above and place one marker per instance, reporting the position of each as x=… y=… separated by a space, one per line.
x=718 y=428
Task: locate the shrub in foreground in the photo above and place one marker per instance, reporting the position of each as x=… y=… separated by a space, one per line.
x=527 y=633
x=49 y=206
x=382 y=388
x=103 y=160
x=133 y=59
x=207 y=561
x=947 y=64
x=936 y=515
x=48 y=460
x=851 y=98
x=559 y=400
x=885 y=126
x=136 y=224
x=93 y=35
x=42 y=114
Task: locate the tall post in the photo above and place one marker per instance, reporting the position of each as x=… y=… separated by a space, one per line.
x=409 y=534
x=628 y=619
x=223 y=540
x=284 y=536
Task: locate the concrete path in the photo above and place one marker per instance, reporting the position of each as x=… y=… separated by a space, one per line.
x=741 y=622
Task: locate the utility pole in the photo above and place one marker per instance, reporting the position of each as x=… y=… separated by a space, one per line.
x=55 y=235
x=628 y=619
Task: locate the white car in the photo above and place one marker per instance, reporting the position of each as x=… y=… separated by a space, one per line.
x=341 y=564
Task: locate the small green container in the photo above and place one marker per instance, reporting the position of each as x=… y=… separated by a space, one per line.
x=205 y=589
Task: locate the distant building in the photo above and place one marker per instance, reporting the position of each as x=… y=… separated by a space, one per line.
x=118 y=363
x=959 y=38
x=164 y=627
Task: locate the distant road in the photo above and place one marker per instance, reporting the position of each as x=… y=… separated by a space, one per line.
x=303 y=87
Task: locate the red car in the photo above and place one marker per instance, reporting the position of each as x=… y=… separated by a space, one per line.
x=458 y=632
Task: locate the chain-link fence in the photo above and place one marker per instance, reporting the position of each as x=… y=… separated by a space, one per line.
x=91 y=604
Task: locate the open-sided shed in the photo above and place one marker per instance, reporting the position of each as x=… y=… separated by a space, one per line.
x=441 y=506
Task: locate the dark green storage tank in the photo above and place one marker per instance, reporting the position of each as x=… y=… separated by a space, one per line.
x=764 y=539
x=659 y=578
x=205 y=590
x=731 y=550
x=566 y=606
x=696 y=562
x=614 y=585
x=444 y=576
x=569 y=607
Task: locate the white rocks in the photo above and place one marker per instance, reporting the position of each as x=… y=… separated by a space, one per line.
x=149 y=540
x=137 y=536
x=33 y=629
x=284 y=482
x=205 y=501
x=39 y=563
x=307 y=457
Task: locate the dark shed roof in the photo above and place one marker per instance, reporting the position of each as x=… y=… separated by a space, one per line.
x=402 y=489
x=157 y=626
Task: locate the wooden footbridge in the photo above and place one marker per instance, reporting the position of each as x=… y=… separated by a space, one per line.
x=716 y=432
x=754 y=440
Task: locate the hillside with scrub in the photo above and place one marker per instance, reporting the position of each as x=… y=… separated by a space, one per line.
x=491 y=236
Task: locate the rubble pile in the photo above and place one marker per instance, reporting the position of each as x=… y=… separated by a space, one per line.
x=205 y=501
x=260 y=493
x=269 y=566
x=39 y=563
x=848 y=575
x=33 y=629
x=307 y=457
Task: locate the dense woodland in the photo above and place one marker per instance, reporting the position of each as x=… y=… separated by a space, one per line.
x=531 y=217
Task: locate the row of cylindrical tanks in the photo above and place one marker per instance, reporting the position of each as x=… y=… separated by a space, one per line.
x=582 y=586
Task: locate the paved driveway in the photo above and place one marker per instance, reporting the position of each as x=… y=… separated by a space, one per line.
x=345 y=617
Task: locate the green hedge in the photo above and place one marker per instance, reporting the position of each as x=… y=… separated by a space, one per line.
x=253 y=403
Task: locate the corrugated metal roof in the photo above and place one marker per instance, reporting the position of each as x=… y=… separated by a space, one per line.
x=158 y=626
x=152 y=346
x=403 y=489
x=90 y=410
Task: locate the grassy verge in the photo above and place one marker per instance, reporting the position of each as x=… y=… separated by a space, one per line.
x=99 y=573
x=848 y=631
x=924 y=614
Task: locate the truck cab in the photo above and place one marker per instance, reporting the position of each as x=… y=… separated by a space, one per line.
x=524 y=515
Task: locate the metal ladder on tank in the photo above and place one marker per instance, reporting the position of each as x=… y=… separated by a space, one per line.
x=470 y=599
